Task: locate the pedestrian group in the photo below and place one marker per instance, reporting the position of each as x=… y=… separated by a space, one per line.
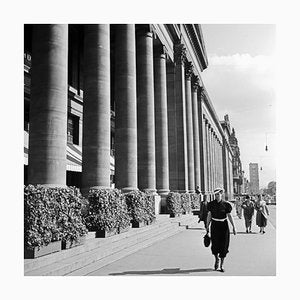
x=216 y=214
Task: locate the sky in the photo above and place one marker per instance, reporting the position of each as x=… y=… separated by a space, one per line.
x=240 y=81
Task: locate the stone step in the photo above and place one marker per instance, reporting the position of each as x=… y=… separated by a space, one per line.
x=89 y=269
x=69 y=260
x=76 y=262
x=90 y=244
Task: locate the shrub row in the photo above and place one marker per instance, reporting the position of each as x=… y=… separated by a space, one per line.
x=107 y=210
x=195 y=201
x=52 y=214
x=178 y=203
x=140 y=206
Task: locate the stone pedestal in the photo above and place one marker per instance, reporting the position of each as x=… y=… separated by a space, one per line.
x=157 y=203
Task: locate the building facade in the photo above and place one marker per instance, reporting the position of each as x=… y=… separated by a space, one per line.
x=236 y=163
x=254 y=178
x=121 y=106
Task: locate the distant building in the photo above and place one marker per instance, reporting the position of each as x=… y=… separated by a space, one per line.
x=254 y=178
x=236 y=163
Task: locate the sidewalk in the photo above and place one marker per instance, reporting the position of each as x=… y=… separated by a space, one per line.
x=184 y=254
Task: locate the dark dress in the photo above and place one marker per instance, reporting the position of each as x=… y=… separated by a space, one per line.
x=219 y=229
x=248 y=213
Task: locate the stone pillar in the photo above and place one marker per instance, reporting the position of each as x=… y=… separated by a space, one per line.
x=96 y=108
x=172 y=127
x=145 y=107
x=180 y=115
x=210 y=160
x=195 y=86
x=202 y=145
x=189 y=126
x=48 y=105
x=161 y=122
x=125 y=105
x=213 y=160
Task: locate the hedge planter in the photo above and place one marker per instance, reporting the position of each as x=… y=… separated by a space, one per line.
x=122 y=230
x=137 y=224
x=151 y=222
x=68 y=244
x=43 y=250
x=172 y=215
x=106 y=233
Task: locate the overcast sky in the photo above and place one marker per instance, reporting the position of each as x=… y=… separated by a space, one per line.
x=240 y=81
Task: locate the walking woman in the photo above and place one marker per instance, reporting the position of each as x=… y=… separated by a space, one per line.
x=218 y=213
x=238 y=207
x=248 y=208
x=262 y=213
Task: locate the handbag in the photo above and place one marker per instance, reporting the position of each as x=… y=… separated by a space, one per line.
x=206 y=240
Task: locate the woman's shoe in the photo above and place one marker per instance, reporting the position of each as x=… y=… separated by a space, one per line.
x=222 y=270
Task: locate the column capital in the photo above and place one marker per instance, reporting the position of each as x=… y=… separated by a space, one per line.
x=160 y=51
x=188 y=70
x=179 y=54
x=144 y=30
x=195 y=83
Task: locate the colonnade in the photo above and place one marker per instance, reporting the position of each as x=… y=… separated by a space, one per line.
x=161 y=143
x=213 y=158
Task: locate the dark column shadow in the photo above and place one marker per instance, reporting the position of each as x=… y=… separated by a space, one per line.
x=163 y=271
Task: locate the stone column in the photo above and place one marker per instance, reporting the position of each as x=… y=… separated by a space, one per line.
x=161 y=122
x=180 y=115
x=189 y=126
x=195 y=86
x=208 y=188
x=96 y=108
x=213 y=160
x=210 y=161
x=202 y=145
x=145 y=107
x=125 y=105
x=48 y=105
x=172 y=127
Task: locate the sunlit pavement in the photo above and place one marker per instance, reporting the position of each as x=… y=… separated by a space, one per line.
x=251 y=254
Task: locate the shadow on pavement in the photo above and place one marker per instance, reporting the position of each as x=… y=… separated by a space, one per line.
x=194 y=228
x=164 y=271
x=243 y=232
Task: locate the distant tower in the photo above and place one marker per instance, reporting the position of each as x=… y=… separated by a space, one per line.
x=254 y=178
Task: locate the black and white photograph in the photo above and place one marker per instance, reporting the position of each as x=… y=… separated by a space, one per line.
x=145 y=137
x=149 y=152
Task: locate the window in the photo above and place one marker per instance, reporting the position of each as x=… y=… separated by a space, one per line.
x=73 y=130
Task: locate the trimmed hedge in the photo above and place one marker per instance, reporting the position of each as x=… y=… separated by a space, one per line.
x=174 y=206
x=52 y=214
x=107 y=210
x=140 y=206
x=186 y=203
x=195 y=201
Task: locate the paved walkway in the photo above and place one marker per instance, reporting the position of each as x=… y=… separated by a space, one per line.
x=184 y=254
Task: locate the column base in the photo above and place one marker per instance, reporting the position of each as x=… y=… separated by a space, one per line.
x=126 y=190
x=181 y=191
x=157 y=204
x=53 y=185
